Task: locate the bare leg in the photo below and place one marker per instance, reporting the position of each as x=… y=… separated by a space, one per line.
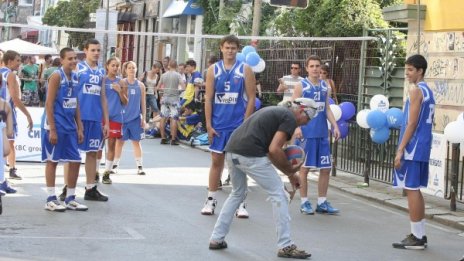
x=162 y=126
x=111 y=147
x=215 y=171
x=90 y=166
x=73 y=174
x=416 y=205
x=137 y=149
x=304 y=182
x=173 y=129
x=323 y=183
x=50 y=173
x=12 y=155
x=118 y=148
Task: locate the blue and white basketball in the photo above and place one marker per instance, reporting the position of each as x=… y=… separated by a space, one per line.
x=295 y=155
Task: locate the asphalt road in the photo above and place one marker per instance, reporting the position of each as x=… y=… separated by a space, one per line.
x=157 y=217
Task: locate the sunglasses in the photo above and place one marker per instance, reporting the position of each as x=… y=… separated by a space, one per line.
x=296 y=68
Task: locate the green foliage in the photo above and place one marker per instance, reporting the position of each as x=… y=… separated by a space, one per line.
x=73 y=13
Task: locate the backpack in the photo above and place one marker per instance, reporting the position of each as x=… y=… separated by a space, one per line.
x=199 y=140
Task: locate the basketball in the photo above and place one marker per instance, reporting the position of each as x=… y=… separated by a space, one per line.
x=295 y=154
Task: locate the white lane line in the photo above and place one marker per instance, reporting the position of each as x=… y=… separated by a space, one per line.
x=134 y=235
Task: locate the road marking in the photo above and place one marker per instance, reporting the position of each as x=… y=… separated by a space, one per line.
x=134 y=235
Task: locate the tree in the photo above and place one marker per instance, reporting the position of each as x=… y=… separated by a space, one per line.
x=75 y=14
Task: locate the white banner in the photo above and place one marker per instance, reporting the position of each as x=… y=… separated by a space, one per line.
x=28 y=143
x=437 y=165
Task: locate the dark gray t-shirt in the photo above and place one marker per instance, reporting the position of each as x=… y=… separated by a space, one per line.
x=255 y=135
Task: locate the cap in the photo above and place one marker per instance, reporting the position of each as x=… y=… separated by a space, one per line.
x=309 y=106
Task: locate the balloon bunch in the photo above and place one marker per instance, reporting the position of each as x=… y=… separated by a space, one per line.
x=252 y=58
x=454 y=130
x=380 y=118
x=342 y=113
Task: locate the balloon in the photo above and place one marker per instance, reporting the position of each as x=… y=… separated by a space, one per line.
x=460 y=117
x=343 y=127
x=379 y=102
x=248 y=49
x=331 y=101
x=361 y=118
x=257 y=104
x=259 y=67
x=348 y=110
x=380 y=136
x=394 y=118
x=376 y=119
x=454 y=132
x=240 y=57
x=336 y=111
x=252 y=59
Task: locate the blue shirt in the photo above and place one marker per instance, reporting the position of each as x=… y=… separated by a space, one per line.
x=90 y=82
x=65 y=106
x=317 y=127
x=230 y=100
x=133 y=109
x=114 y=102
x=5 y=92
x=419 y=146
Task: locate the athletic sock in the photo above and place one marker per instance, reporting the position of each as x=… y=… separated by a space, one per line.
x=90 y=186
x=116 y=162
x=51 y=191
x=138 y=161
x=211 y=194
x=416 y=229
x=108 y=165
x=423 y=227
x=321 y=200
x=70 y=192
x=303 y=200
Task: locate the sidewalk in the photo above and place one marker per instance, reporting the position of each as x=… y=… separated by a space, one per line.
x=436 y=209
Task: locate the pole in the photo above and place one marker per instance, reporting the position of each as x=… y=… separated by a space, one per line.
x=418 y=26
x=256 y=18
x=105 y=36
x=221 y=9
x=454 y=175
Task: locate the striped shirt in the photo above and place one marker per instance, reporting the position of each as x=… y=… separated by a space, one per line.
x=290 y=81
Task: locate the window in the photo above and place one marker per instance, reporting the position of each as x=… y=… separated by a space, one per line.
x=26 y=2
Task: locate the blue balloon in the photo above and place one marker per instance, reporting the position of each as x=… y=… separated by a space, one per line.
x=257 y=104
x=380 y=136
x=394 y=118
x=343 y=128
x=331 y=101
x=240 y=57
x=252 y=59
x=376 y=119
x=348 y=110
x=248 y=49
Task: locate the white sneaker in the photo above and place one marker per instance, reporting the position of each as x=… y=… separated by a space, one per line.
x=54 y=205
x=209 y=207
x=72 y=204
x=241 y=211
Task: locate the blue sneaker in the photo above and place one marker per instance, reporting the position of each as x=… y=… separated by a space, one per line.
x=306 y=208
x=326 y=208
x=6 y=187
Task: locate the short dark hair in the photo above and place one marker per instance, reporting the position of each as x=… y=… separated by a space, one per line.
x=9 y=56
x=89 y=42
x=313 y=57
x=56 y=62
x=191 y=63
x=47 y=56
x=325 y=67
x=417 y=61
x=230 y=39
x=64 y=51
x=297 y=63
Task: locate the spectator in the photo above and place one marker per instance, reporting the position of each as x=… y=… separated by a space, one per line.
x=325 y=77
x=288 y=82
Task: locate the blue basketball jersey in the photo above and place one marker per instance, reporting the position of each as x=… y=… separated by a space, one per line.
x=418 y=148
x=5 y=93
x=114 y=102
x=65 y=106
x=90 y=82
x=317 y=127
x=230 y=98
x=132 y=110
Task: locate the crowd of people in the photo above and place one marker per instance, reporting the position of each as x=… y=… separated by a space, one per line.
x=88 y=105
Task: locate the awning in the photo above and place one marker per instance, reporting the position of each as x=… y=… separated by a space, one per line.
x=180 y=8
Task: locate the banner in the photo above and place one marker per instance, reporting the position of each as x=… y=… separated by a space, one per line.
x=437 y=165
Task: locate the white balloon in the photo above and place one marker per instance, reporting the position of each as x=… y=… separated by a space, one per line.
x=336 y=111
x=460 y=117
x=259 y=67
x=379 y=102
x=361 y=118
x=454 y=132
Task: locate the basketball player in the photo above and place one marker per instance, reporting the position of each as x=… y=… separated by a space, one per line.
x=63 y=131
x=315 y=135
x=411 y=164
x=229 y=99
